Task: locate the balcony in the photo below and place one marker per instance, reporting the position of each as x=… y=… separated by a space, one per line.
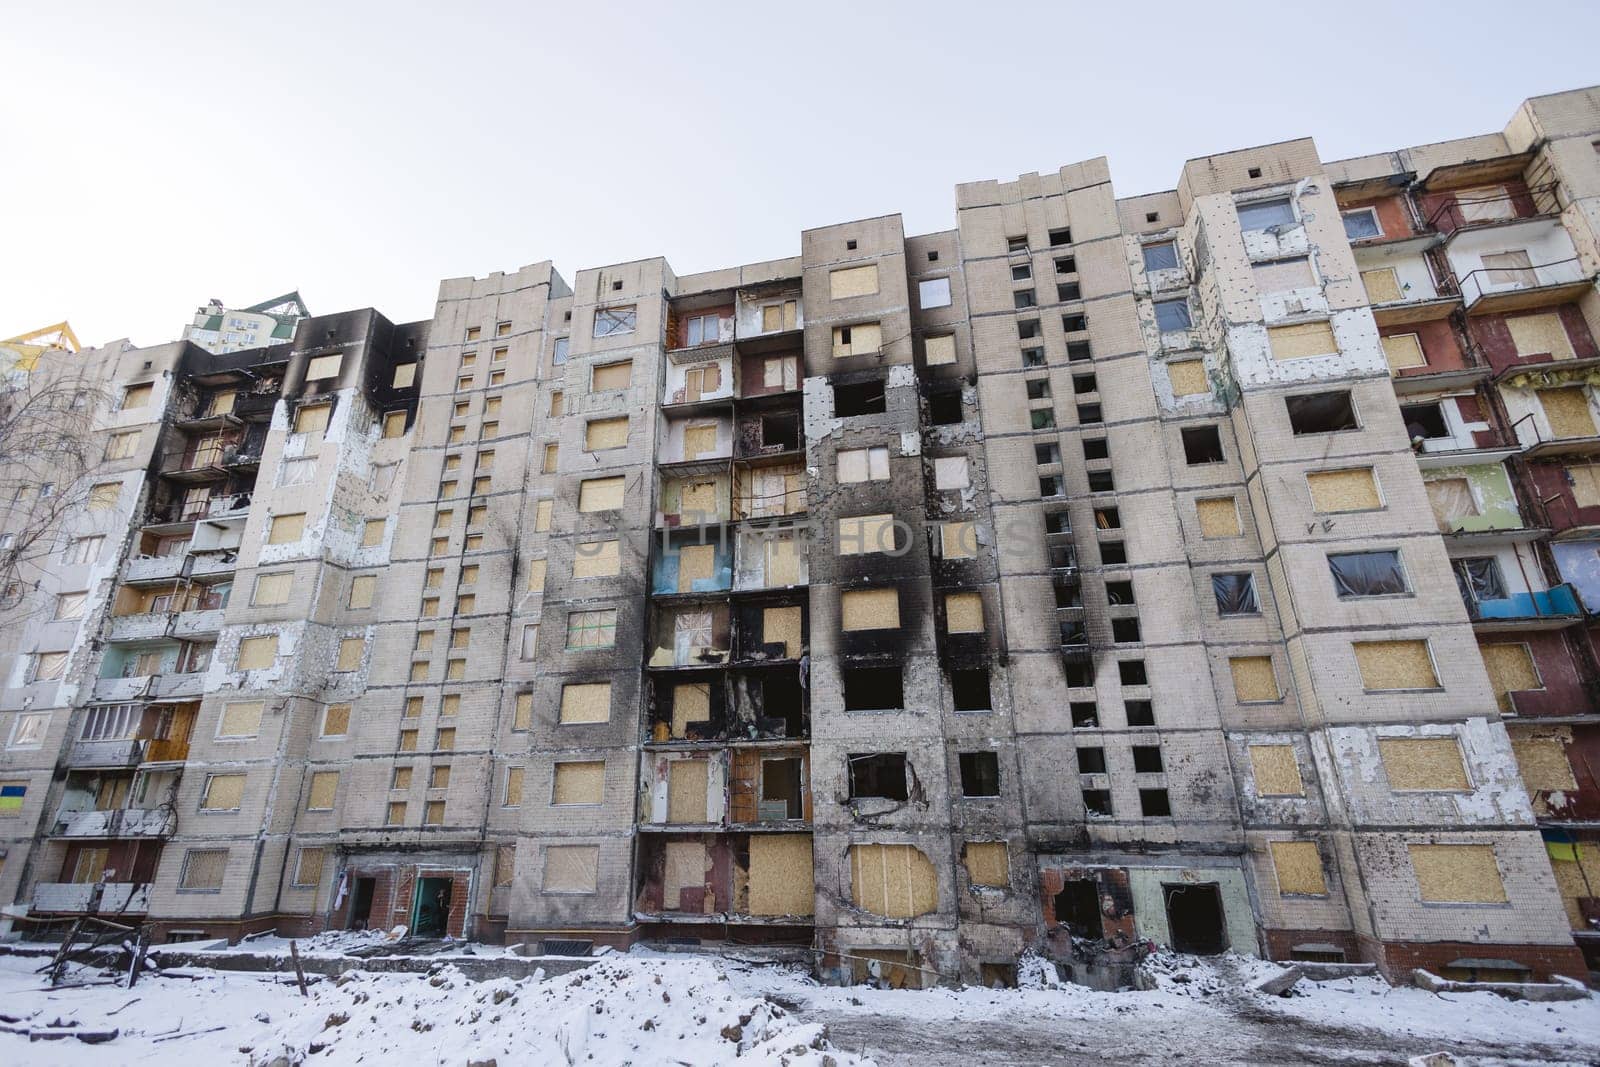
x=1491 y=291
x=188 y=624
x=228 y=505
x=1548 y=609
x=214 y=563
x=128 y=752
x=139 y=627
x=118 y=822
x=1459 y=213
x=152 y=568
x=120 y=690
x=115 y=898
x=178 y=686
x=196 y=468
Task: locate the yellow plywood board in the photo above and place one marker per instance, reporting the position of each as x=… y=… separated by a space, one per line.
x=580 y=783
x=780 y=875
x=1544 y=764
x=586 y=702
x=958 y=540
x=697 y=501
x=1585 y=480
x=699 y=440
x=1576 y=880
x=536 y=573
x=853 y=281
x=1540 y=334
x=605 y=433
x=939 y=349
x=223 y=792
x=895 y=881
x=600 y=494
x=869 y=609
x=1298 y=866
x=1282 y=275
x=1188 y=377
x=695 y=563
x=685 y=868
x=362 y=589
x=596 y=559
x=350 y=649
x=782 y=624
x=286 y=529
x=258 y=652
x=987 y=863
x=1511 y=670
x=613 y=376
x=1253 y=678
x=1427 y=764
x=1390 y=665
x=1219 y=517
x=1457 y=874
x=324 y=786
x=861 y=534
x=273 y=588
x=1277 y=774
x=963 y=613
x=1403 y=350
x=336 y=720
x=687 y=782
x=1354 y=489
x=1567 y=409
x=690 y=703
x=242 y=719
x=1302 y=340
x=1382 y=285
x=571 y=868
x=783 y=561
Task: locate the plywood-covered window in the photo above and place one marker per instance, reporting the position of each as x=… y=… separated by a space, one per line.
x=137 y=396
x=362 y=589
x=781 y=868
x=122 y=445
x=853 y=281
x=536 y=574
x=601 y=494
x=1352 y=489
x=863 y=464
x=258 y=652
x=203 y=869
x=963 y=613
x=1457 y=874
x=583 y=702
x=1568 y=412
x=862 y=534
x=321 y=368
x=286 y=529
x=511 y=795
x=1395 y=665
x=1382 y=285
x=350 y=649
x=987 y=863
x=541 y=515
x=690 y=704
x=1276 y=772
x=602 y=434
x=596 y=559
x=1254 y=680
x=687 y=783
x=861 y=339
x=1403 y=351
x=372 y=532
x=240 y=719
x=312 y=418
x=308 y=867
x=222 y=792
x=571 y=868
x=1511 y=670
x=522 y=712
x=894 y=881
x=869 y=609
x=1298 y=867
x=1281 y=275
x=1540 y=334
x=782 y=626
x=609 y=376
x=272 y=589
x=1423 y=764
x=1544 y=764
x=592 y=629
x=939 y=349
x=958 y=540
x=1302 y=340
x=324 y=786
x=104 y=497
x=336 y=720
x=1219 y=517
x=1188 y=377
x=579 y=782
x=778 y=317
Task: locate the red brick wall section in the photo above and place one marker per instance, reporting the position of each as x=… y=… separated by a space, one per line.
x=1392 y=215
x=1563 y=692
x=1440 y=346
x=1280 y=943
x=1397 y=959
x=1494 y=338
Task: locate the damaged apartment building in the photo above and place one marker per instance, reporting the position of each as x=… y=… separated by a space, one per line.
x=1207 y=568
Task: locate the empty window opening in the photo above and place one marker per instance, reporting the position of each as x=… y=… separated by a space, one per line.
x=1202 y=444
x=1021 y=272
x=1425 y=421
x=1060 y=237
x=1058 y=522
x=780 y=789
x=781 y=711
x=1091 y=761
x=850 y=246
x=1079 y=674
x=1068 y=291
x=1038 y=388
x=780 y=431
x=944 y=409
x=1042 y=419
x=1254 y=172
x=1154 y=804
x=1107 y=519
x=1078 y=908
x=1097 y=802
x=1236 y=594
x=1096 y=448
x=1033 y=357
x=1084 y=383
x=872 y=688
x=1023 y=298
x=1194 y=918
x=1016 y=244
x=878 y=775
x=1322 y=412
x=1147 y=759
x=933 y=256
x=1051 y=485
x=1074 y=323
x=1028 y=328
x=970 y=689
x=1045 y=455
x=1090 y=414
x=980 y=774
x=1066 y=265
x=1132 y=672
x=1139 y=712
x=1119 y=593
x=1113 y=553
x=1078 y=351
x=1125 y=631
x=1085 y=715
x=1152 y=216
x=859 y=398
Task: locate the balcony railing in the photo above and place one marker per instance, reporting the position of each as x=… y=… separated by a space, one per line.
x=118 y=822
x=1508 y=288
x=1454 y=214
x=114 y=898
x=1556 y=604
x=125 y=752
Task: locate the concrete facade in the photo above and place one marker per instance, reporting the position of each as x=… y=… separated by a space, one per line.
x=1203 y=567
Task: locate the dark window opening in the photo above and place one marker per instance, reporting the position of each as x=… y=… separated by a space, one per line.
x=780 y=785
x=1074 y=323
x=1321 y=412
x=1021 y=272
x=1089 y=414
x=1152 y=216
x=1139 y=712
x=1092 y=760
x=1078 y=908
x=1068 y=291
x=1202 y=444
x=1085 y=715
x=860 y=398
x=1058 y=522
x=878 y=774
x=1254 y=172
x=933 y=257
x=1051 y=485
x=1367 y=573
x=872 y=688
x=781 y=712
x=1045 y=455
x=1085 y=383
x=1153 y=803
x=1078 y=351
x=944 y=409
x=1113 y=552
x=1125 y=631
x=1060 y=237
x=1118 y=593
x=1235 y=593
x=1016 y=244
x=1107 y=519
x=1147 y=759
x=1038 y=388
x=997 y=975
x=850 y=246
x=1194 y=918
x=1023 y=298
x=782 y=431
x=1028 y=328
x=1096 y=448
x=1042 y=419
x=980 y=774
x=1132 y=672
x=1068 y=595
x=1097 y=802
x=1066 y=265
x=1079 y=675
x=1424 y=420
x=1033 y=357
x=970 y=690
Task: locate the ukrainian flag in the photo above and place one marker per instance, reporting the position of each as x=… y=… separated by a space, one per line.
x=11 y=797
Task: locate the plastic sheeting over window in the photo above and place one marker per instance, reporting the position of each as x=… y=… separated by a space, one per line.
x=1479 y=578
x=1236 y=594
x=1367 y=574
x=1452 y=500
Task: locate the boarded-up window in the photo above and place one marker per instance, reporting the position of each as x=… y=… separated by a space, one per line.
x=1403 y=350
x=286 y=529
x=612 y=376
x=336 y=720
x=784 y=316
x=258 y=652
x=579 y=783
x=782 y=561
x=863 y=464
x=869 y=609
x=586 y=702
x=324 y=785
x=1544 y=764
x=104 y=496
x=696 y=563
x=1484 y=203
x=600 y=494
x=405 y=375
x=1348 y=490
x=512 y=797
x=853 y=281
x=596 y=559
x=685 y=868
x=1188 y=377
x=1452 y=499
x=203 y=868
x=1298 y=866
x=272 y=588
x=1423 y=764
x=950 y=472
x=939 y=349
x=362 y=587
x=699 y=439
x=963 y=613
x=1390 y=665
x=1302 y=340
x=1511 y=670
x=958 y=540
x=601 y=434
x=121 y=445
x=1540 y=334
x=241 y=719
x=505 y=865
x=312 y=418
x=1253 y=679
x=780 y=875
x=698 y=501
x=320 y=368
x=1219 y=517
x=1585 y=481
x=541 y=515
x=308 y=867
x=223 y=792
x=522 y=716
x=687 y=782
x=571 y=868
x=350 y=649
x=782 y=626
x=864 y=338
x=866 y=533
x=1382 y=285
x=1568 y=411
x=1283 y=274
x=987 y=863
x=372 y=532
x=137 y=396
x=1457 y=874
x=1276 y=772
x=895 y=881
x=536 y=572
x=690 y=704
x=592 y=629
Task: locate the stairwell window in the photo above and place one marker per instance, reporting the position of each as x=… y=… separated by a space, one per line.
x=614 y=321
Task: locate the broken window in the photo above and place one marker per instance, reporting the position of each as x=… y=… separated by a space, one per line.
x=878 y=775
x=1479 y=578
x=872 y=688
x=1046 y=455
x=1023 y=298
x=1016 y=244
x=1147 y=759
x=859 y=398
x=980 y=774
x=1060 y=237
x=1042 y=419
x=1125 y=631
x=1033 y=357
x=1139 y=712
x=1202 y=444
x=1120 y=592
x=1037 y=388
x=1021 y=272
x=1424 y=420
x=1077 y=907
x=1068 y=291
x=1097 y=802
x=1066 y=265
x=1028 y=328
x=1160 y=256
x=1079 y=673
x=1361 y=224
x=1113 y=552
x=1085 y=715
x=1154 y=803
x=1321 y=412
x=1132 y=672
x=1074 y=323
x=1107 y=518
x=1078 y=351
x=780 y=790
x=1091 y=760
x=1096 y=448
x=944 y=409
x=609 y=322
x=1173 y=315
x=1235 y=593
x=969 y=689
x=1367 y=573
x=1265 y=214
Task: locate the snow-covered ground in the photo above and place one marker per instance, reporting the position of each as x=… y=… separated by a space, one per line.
x=645 y=1008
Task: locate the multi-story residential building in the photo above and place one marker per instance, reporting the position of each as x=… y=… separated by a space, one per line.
x=1208 y=567
x=272 y=322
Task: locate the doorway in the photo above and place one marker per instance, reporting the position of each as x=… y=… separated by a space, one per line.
x=361 y=903
x=1078 y=908
x=431 y=911
x=1194 y=918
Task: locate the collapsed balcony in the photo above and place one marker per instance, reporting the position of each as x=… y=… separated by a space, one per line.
x=116 y=804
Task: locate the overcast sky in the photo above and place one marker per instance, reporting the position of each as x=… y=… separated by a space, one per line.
x=159 y=154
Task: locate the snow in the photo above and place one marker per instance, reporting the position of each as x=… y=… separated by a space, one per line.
x=668 y=1008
